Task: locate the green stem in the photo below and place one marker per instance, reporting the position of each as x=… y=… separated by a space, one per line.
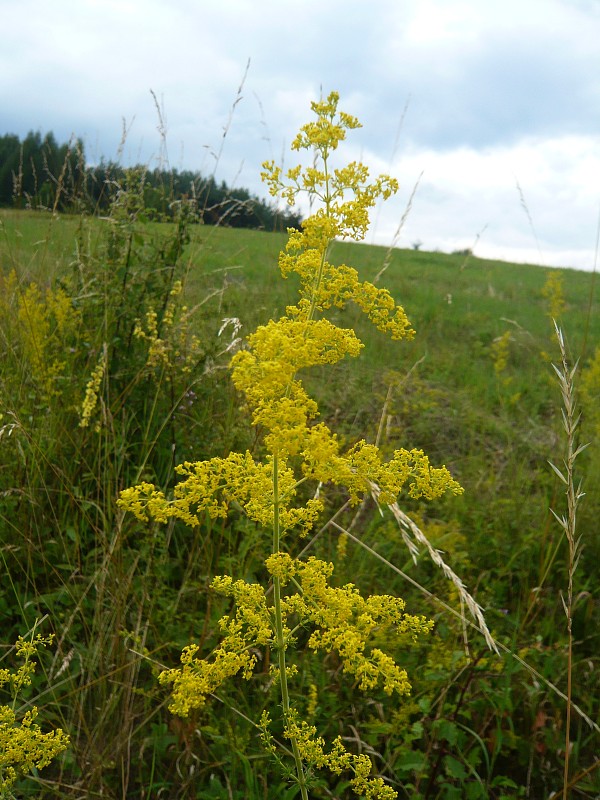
x=281 y=643
x=319 y=278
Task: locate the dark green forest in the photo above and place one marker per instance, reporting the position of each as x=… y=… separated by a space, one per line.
x=39 y=173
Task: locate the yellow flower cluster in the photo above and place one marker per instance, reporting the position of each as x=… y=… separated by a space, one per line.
x=43 y=323
x=337 y=760
x=23 y=745
x=313 y=700
x=554 y=294
x=170 y=343
x=342 y=621
x=22 y=676
x=211 y=486
x=500 y=351
x=92 y=391
x=323 y=284
x=267 y=371
x=197 y=678
x=590 y=394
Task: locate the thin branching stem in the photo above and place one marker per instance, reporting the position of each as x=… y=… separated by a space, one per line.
x=280 y=638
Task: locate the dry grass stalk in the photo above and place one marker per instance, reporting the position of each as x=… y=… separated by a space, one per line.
x=410 y=529
x=568 y=521
x=499 y=646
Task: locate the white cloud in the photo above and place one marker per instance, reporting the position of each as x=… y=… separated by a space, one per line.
x=536 y=193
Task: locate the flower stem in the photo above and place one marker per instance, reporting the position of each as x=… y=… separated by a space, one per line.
x=281 y=643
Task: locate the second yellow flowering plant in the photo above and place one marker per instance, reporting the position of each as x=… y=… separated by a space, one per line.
x=24 y=748
x=298 y=449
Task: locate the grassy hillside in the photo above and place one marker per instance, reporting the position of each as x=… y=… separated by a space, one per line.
x=474 y=389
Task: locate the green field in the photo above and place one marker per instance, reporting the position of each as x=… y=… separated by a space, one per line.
x=474 y=389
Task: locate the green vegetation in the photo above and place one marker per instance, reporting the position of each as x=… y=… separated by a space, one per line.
x=38 y=173
x=113 y=370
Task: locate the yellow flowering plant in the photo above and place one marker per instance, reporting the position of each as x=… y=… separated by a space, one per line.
x=23 y=745
x=299 y=449
x=42 y=325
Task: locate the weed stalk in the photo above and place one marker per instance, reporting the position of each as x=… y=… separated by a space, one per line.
x=568 y=521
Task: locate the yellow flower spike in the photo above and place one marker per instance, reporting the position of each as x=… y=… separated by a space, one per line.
x=281 y=565
x=23 y=745
x=92 y=390
x=313 y=700
x=297 y=448
x=338 y=760
x=48 y=323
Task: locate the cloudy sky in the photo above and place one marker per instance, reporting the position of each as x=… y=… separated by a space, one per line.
x=491 y=106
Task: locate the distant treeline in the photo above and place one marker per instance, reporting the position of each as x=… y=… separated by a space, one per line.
x=39 y=173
